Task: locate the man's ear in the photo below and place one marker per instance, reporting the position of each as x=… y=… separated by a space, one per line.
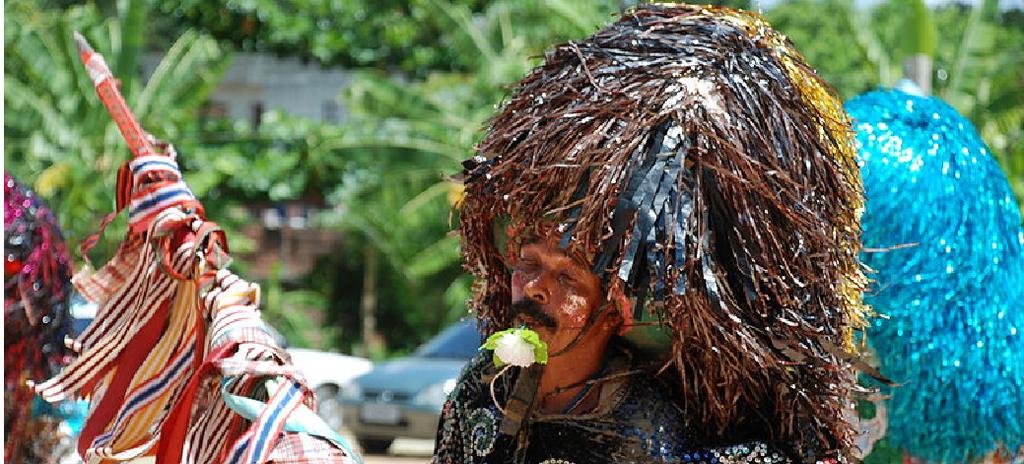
x=623 y=316
x=502 y=233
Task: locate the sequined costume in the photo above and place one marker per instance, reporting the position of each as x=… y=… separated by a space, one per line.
x=37 y=287
x=945 y=238
x=636 y=421
x=692 y=159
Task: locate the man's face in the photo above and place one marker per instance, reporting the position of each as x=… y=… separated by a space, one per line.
x=552 y=293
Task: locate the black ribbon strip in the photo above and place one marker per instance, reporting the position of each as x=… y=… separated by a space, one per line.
x=574 y=213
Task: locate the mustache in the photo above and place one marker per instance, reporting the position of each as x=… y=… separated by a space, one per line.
x=529 y=308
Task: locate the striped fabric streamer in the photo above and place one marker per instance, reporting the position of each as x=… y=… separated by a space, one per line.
x=152 y=163
x=228 y=425
x=209 y=433
x=177 y=339
x=115 y=290
x=147 y=394
x=157 y=316
x=256 y=445
x=106 y=455
x=165 y=189
x=99 y=286
x=103 y=343
x=166 y=370
x=303 y=419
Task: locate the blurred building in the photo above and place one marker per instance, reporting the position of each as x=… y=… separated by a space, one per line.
x=258 y=82
x=288 y=234
x=284 y=234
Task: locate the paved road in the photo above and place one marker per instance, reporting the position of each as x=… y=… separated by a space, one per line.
x=394 y=460
x=404 y=451
x=397 y=456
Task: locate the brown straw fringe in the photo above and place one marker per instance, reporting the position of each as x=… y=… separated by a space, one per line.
x=692 y=156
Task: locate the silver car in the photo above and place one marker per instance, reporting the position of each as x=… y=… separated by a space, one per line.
x=404 y=397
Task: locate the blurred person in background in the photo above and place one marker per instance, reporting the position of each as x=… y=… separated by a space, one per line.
x=37 y=290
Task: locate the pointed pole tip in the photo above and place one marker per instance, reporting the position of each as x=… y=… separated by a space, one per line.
x=83 y=45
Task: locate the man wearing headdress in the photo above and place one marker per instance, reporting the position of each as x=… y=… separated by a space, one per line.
x=681 y=175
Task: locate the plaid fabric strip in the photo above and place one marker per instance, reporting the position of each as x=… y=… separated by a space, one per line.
x=234 y=367
x=99 y=286
x=255 y=334
x=267 y=428
x=300 y=448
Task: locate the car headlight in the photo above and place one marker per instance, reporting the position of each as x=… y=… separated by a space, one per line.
x=351 y=392
x=435 y=395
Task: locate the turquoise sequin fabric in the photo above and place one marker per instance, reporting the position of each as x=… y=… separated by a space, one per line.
x=943 y=232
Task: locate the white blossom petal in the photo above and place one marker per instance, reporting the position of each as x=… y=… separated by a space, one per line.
x=512 y=349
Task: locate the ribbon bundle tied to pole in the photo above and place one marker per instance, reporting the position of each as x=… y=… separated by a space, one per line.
x=177 y=359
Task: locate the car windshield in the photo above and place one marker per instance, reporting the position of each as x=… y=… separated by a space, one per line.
x=458 y=341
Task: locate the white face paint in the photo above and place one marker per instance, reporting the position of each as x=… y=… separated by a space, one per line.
x=575 y=308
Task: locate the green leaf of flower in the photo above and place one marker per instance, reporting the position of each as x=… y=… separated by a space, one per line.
x=492 y=341
x=541 y=353
x=540 y=349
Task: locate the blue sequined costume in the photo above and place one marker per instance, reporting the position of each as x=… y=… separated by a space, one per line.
x=635 y=422
x=953 y=294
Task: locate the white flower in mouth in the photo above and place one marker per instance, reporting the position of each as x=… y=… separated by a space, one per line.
x=517 y=347
x=512 y=349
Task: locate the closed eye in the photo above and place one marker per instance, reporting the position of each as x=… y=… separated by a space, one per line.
x=526 y=265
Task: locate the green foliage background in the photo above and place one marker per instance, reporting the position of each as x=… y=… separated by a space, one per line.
x=428 y=74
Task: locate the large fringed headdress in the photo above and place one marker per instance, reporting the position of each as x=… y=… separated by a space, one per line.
x=950 y=282
x=690 y=155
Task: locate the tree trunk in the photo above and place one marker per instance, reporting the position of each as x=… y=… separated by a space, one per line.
x=373 y=343
x=918 y=68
